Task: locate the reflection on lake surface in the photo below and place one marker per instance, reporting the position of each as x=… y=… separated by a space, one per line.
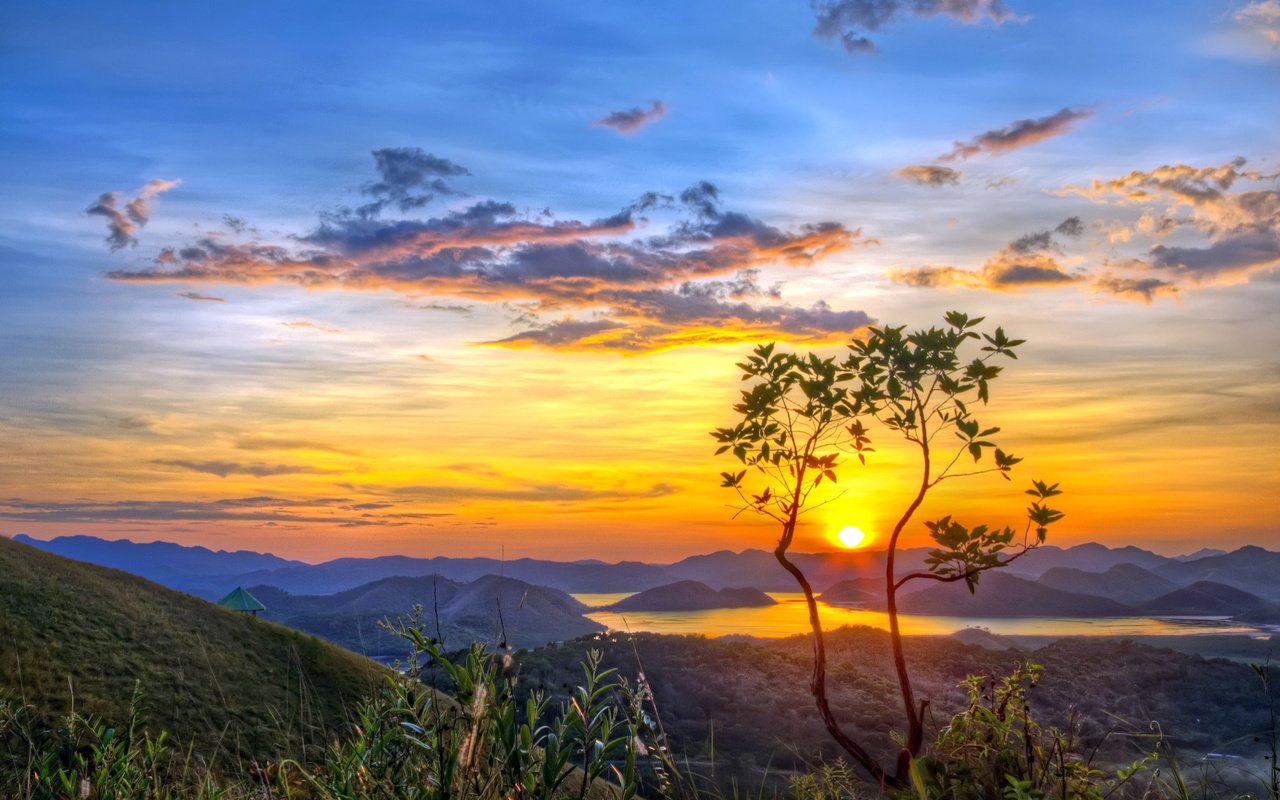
x=790 y=617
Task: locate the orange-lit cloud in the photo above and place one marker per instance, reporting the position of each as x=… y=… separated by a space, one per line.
x=1028 y=261
x=930 y=175
x=1018 y=134
x=640 y=292
x=1242 y=227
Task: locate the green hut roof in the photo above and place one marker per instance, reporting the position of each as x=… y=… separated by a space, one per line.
x=240 y=600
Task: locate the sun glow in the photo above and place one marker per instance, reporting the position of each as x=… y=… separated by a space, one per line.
x=851 y=537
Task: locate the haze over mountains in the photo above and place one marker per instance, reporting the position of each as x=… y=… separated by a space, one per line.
x=1089 y=580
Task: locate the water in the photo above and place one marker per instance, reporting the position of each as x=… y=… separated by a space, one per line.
x=790 y=617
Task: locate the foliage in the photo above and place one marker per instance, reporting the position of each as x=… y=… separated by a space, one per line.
x=803 y=413
x=996 y=748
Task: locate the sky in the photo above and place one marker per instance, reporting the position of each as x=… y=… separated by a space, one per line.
x=472 y=279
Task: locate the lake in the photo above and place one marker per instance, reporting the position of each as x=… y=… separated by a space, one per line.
x=790 y=617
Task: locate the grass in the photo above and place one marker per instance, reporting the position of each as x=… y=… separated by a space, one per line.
x=74 y=636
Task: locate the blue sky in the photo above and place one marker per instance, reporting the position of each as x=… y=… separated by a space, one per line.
x=1154 y=308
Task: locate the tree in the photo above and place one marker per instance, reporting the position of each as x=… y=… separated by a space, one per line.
x=803 y=414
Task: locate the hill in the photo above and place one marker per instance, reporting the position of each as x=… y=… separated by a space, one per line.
x=692 y=596
x=1124 y=583
x=1003 y=595
x=207 y=674
x=456 y=613
x=1205 y=598
x=1251 y=569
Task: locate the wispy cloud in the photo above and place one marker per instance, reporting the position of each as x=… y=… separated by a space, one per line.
x=615 y=289
x=1263 y=18
x=850 y=21
x=1018 y=134
x=201 y=297
x=633 y=119
x=125 y=217
x=257 y=469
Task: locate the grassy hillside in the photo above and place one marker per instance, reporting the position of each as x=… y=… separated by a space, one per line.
x=76 y=633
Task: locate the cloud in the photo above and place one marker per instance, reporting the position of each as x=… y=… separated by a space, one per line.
x=1018 y=134
x=531 y=493
x=1144 y=289
x=1241 y=226
x=201 y=297
x=303 y=324
x=633 y=119
x=125 y=217
x=601 y=275
x=241 y=509
x=929 y=175
x=225 y=468
x=403 y=175
x=1263 y=18
x=849 y=21
x=1028 y=261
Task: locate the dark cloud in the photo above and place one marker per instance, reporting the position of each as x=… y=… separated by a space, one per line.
x=1144 y=289
x=489 y=251
x=930 y=175
x=532 y=493
x=633 y=119
x=849 y=21
x=408 y=178
x=1018 y=134
x=201 y=297
x=125 y=217
x=224 y=468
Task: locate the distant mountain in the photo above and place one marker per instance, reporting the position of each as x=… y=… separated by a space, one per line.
x=457 y=613
x=163 y=562
x=1250 y=568
x=228 y=682
x=1205 y=598
x=1204 y=552
x=856 y=592
x=1124 y=583
x=692 y=596
x=1003 y=595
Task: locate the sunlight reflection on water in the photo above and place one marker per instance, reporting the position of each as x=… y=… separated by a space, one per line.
x=790 y=617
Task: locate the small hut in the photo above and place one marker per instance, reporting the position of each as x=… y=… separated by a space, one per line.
x=242 y=601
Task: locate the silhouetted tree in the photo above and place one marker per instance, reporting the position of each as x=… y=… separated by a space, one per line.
x=802 y=413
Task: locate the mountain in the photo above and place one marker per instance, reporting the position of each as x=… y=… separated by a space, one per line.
x=691 y=596
x=207 y=675
x=1203 y=552
x=1251 y=569
x=1003 y=595
x=1124 y=583
x=1207 y=599
x=457 y=613
x=163 y=562
x=856 y=592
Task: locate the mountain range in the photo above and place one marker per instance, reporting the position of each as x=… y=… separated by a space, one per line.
x=1084 y=580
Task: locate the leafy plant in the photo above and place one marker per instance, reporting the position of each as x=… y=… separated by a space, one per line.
x=803 y=415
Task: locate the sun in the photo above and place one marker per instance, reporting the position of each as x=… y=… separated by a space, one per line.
x=851 y=537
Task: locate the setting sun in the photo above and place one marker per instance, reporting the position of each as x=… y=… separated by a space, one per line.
x=851 y=537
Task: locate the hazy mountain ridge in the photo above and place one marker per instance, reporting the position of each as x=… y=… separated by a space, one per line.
x=489 y=609
x=1125 y=578
x=692 y=596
